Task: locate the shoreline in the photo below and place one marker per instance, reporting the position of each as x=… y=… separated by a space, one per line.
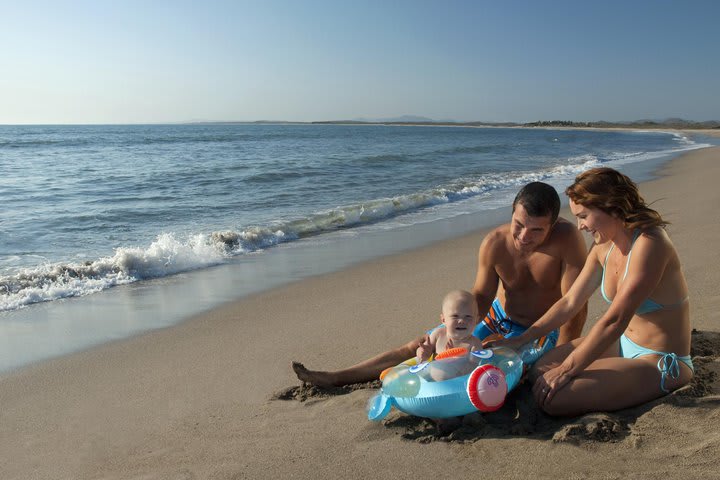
x=62 y=326
x=192 y=400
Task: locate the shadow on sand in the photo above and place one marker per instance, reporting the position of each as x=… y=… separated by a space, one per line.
x=520 y=416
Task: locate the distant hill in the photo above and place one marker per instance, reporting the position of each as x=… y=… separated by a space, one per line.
x=406 y=119
x=414 y=119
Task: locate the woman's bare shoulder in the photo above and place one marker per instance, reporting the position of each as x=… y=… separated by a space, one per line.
x=656 y=238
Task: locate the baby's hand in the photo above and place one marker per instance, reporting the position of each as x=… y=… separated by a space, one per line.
x=425 y=350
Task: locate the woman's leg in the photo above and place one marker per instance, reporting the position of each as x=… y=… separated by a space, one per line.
x=552 y=359
x=613 y=383
x=557 y=355
x=364 y=371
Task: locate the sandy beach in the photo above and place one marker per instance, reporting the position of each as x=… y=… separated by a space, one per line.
x=215 y=398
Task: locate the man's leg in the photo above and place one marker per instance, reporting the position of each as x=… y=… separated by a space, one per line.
x=364 y=371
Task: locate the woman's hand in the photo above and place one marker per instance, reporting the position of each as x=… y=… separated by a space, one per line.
x=547 y=385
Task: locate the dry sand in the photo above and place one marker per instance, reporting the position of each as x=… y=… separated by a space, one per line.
x=201 y=400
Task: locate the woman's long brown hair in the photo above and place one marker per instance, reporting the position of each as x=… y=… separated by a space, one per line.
x=615 y=194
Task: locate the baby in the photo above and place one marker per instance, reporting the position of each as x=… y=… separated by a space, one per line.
x=459 y=317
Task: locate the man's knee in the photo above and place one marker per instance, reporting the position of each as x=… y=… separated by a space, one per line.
x=409 y=349
x=414 y=344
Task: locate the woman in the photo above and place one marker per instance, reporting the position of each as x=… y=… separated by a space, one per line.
x=638 y=271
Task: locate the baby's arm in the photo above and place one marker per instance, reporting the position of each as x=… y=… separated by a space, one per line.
x=475 y=343
x=427 y=347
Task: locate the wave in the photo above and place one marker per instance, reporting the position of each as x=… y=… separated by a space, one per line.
x=273 y=177
x=174 y=139
x=23 y=144
x=685 y=144
x=389 y=159
x=497 y=148
x=382 y=160
x=171 y=254
x=165 y=256
x=16 y=144
x=234 y=137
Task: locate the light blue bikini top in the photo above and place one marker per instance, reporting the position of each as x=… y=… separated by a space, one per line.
x=649 y=305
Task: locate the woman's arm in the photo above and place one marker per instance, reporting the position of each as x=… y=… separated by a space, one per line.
x=575 y=255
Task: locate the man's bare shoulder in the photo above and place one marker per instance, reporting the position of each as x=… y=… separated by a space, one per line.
x=566 y=238
x=497 y=237
x=565 y=231
x=564 y=226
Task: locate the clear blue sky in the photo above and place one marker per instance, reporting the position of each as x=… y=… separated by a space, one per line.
x=171 y=61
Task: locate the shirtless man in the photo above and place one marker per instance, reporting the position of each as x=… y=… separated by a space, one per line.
x=524 y=267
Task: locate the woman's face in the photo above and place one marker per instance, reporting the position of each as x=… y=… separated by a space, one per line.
x=597 y=223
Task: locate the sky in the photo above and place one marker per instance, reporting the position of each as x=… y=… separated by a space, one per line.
x=158 y=61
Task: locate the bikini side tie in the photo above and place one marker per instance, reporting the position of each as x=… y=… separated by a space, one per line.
x=668 y=367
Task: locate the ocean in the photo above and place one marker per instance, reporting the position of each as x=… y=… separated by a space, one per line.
x=96 y=217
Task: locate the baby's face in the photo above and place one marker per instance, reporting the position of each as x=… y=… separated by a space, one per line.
x=460 y=318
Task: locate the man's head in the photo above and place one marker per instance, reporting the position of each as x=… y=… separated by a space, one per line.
x=535 y=210
x=539 y=200
x=459 y=314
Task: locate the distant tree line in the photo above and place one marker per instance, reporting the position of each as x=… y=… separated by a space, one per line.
x=676 y=123
x=669 y=123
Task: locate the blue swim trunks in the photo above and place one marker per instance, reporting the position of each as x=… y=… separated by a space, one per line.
x=497 y=321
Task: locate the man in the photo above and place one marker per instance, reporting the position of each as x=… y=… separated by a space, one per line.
x=524 y=267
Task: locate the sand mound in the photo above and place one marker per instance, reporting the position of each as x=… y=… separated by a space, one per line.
x=307 y=391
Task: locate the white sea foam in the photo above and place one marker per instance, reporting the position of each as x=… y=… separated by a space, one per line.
x=170 y=253
x=685 y=145
x=165 y=256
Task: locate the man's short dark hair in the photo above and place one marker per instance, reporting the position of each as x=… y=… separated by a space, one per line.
x=539 y=200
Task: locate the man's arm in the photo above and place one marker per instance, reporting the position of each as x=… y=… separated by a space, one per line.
x=487 y=279
x=573 y=260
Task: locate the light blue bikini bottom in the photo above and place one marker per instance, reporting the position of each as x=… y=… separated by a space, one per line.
x=667 y=365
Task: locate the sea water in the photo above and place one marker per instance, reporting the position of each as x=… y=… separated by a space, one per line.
x=87 y=209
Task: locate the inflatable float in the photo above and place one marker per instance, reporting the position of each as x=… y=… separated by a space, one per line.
x=456 y=382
